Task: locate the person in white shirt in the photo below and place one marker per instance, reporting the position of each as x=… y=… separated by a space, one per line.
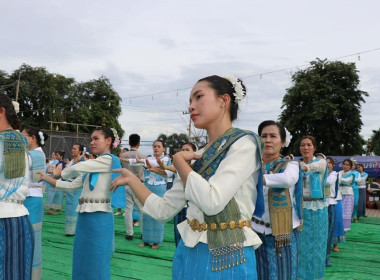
x=278 y=227
x=95 y=226
x=332 y=185
x=313 y=237
x=220 y=189
x=361 y=181
x=34 y=200
x=16 y=231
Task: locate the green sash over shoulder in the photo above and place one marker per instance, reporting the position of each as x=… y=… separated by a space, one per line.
x=224 y=244
x=15 y=148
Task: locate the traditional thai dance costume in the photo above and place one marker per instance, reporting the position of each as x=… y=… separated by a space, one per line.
x=16 y=231
x=277 y=257
x=153 y=230
x=34 y=204
x=71 y=204
x=332 y=184
x=95 y=226
x=313 y=237
x=355 y=188
x=54 y=197
x=339 y=234
x=217 y=241
x=361 y=181
x=346 y=180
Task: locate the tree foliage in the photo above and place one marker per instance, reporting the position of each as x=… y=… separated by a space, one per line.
x=45 y=97
x=375 y=142
x=324 y=101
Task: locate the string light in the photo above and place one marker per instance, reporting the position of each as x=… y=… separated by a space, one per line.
x=89 y=107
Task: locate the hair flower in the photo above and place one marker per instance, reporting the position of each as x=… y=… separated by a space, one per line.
x=116 y=142
x=288 y=137
x=239 y=92
x=42 y=138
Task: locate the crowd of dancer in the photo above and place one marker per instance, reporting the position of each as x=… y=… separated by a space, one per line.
x=241 y=209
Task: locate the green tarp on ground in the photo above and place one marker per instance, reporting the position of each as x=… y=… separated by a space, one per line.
x=359 y=257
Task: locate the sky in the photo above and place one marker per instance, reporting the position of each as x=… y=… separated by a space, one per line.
x=153 y=52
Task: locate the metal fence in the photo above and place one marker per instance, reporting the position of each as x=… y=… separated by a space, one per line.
x=64 y=141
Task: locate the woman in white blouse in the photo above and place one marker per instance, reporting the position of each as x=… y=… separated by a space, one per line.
x=313 y=237
x=95 y=228
x=361 y=181
x=217 y=241
x=278 y=227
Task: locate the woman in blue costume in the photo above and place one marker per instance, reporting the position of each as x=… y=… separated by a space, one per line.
x=71 y=203
x=313 y=237
x=34 y=201
x=95 y=228
x=332 y=184
x=54 y=197
x=346 y=182
x=153 y=231
x=16 y=231
x=361 y=181
x=277 y=257
x=355 y=188
x=220 y=189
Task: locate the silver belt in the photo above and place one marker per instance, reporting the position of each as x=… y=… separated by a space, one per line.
x=92 y=200
x=6 y=200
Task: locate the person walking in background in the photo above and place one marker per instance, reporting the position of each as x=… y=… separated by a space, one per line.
x=128 y=161
x=313 y=237
x=16 y=231
x=361 y=181
x=34 y=201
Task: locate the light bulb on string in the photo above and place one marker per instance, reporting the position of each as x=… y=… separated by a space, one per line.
x=109 y=104
x=359 y=57
x=38 y=114
x=89 y=107
x=53 y=111
x=177 y=93
x=71 y=109
x=22 y=114
x=43 y=113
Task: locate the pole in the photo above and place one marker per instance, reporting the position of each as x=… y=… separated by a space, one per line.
x=18 y=85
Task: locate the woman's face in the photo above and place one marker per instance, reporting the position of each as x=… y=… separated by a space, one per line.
x=272 y=140
x=53 y=157
x=58 y=156
x=187 y=148
x=307 y=148
x=31 y=139
x=360 y=169
x=158 y=149
x=99 y=143
x=330 y=165
x=205 y=108
x=346 y=166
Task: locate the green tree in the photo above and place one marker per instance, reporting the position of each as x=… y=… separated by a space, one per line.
x=375 y=142
x=324 y=101
x=44 y=97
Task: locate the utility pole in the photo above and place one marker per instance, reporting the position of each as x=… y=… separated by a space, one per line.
x=189 y=129
x=18 y=85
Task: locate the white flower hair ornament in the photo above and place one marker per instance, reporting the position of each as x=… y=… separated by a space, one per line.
x=115 y=143
x=288 y=137
x=16 y=105
x=42 y=138
x=239 y=92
